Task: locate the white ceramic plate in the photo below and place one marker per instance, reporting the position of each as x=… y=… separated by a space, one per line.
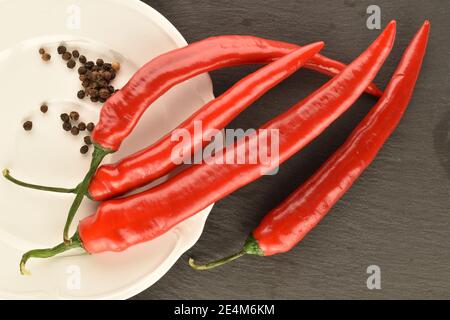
x=132 y=33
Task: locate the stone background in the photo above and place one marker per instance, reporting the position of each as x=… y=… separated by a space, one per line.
x=397 y=214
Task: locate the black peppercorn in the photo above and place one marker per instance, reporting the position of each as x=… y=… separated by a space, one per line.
x=89 y=64
x=65 y=117
x=94 y=93
x=75 y=131
x=87 y=140
x=82 y=126
x=85 y=83
x=104 y=93
x=93 y=75
x=71 y=64
x=111 y=89
x=62 y=49
x=100 y=62
x=82 y=70
x=28 y=125
x=90 y=127
x=67 y=126
x=84 y=149
x=102 y=100
x=82 y=59
x=94 y=99
x=74 y=116
x=67 y=56
x=41 y=51
x=81 y=94
x=102 y=83
x=46 y=57
x=107 y=75
x=75 y=54
x=44 y=108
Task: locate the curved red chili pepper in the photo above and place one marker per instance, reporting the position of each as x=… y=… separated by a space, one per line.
x=121 y=112
x=156 y=160
x=121 y=223
x=290 y=222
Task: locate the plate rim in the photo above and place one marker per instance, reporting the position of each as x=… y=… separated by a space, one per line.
x=141 y=284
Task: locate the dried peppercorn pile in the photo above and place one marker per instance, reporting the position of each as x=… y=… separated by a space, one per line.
x=95 y=77
x=96 y=80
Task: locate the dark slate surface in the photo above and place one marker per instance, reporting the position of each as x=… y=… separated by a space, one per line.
x=396 y=216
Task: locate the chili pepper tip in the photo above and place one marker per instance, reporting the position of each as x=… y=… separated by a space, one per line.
x=5 y=172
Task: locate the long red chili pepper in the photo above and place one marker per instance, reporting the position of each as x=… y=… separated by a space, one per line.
x=156 y=161
x=290 y=222
x=122 y=111
x=121 y=223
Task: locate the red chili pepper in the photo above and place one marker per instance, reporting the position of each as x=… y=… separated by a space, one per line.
x=214 y=115
x=121 y=223
x=156 y=160
x=290 y=222
x=122 y=111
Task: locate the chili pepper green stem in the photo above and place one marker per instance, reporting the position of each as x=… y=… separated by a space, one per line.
x=50 y=252
x=82 y=189
x=251 y=246
x=8 y=176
